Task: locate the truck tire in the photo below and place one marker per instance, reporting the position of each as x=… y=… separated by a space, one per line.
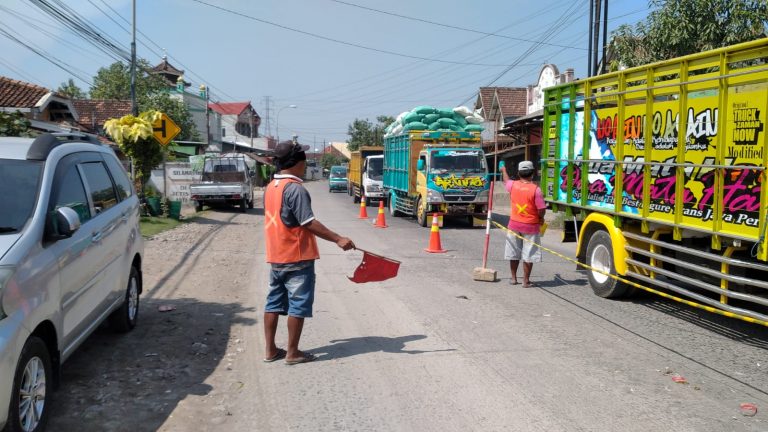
x=600 y=257
x=199 y=206
x=250 y=203
x=421 y=213
x=243 y=205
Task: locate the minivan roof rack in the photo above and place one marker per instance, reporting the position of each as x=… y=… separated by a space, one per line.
x=43 y=145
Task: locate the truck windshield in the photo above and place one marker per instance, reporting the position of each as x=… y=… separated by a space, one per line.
x=457 y=161
x=376 y=168
x=19 y=183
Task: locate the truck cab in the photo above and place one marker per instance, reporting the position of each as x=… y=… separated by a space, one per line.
x=453 y=180
x=373 y=176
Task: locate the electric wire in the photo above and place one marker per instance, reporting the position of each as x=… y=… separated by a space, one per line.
x=451 y=26
x=339 y=41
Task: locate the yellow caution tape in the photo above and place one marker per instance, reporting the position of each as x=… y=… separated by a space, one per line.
x=642 y=287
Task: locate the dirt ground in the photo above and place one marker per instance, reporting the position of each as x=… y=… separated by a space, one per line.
x=181 y=359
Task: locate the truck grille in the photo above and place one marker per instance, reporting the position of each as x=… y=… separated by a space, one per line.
x=459 y=197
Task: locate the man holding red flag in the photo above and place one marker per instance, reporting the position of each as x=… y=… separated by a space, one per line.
x=290 y=228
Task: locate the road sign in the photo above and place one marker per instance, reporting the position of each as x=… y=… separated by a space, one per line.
x=164 y=129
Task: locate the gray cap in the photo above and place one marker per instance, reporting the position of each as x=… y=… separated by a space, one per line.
x=287 y=148
x=525 y=166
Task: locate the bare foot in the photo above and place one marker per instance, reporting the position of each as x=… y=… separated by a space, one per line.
x=527 y=284
x=514 y=282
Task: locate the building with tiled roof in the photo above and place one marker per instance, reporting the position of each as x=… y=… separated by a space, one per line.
x=95 y=112
x=239 y=124
x=45 y=109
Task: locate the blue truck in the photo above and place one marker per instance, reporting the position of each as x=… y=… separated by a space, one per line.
x=435 y=172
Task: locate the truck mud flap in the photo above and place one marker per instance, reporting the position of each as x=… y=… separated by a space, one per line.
x=571 y=229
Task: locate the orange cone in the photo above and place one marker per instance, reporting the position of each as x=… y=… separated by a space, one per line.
x=363 y=208
x=380 y=222
x=434 y=238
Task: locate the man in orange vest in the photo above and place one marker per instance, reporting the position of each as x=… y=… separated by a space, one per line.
x=290 y=228
x=526 y=217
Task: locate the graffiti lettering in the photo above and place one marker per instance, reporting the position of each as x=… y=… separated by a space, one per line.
x=454 y=182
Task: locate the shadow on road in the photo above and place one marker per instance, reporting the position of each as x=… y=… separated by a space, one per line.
x=340 y=348
x=133 y=382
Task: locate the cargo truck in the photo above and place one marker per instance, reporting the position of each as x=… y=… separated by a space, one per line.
x=433 y=171
x=659 y=170
x=366 y=171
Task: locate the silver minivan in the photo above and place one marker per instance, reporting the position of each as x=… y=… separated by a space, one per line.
x=70 y=258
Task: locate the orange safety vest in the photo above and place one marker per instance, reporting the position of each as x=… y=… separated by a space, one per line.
x=285 y=244
x=523 y=201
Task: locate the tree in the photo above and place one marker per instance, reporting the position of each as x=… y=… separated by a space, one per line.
x=71 y=89
x=680 y=27
x=363 y=132
x=13 y=124
x=114 y=82
x=134 y=136
x=176 y=110
x=328 y=160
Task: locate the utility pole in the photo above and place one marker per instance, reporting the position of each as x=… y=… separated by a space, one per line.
x=134 y=106
x=267 y=123
x=596 y=37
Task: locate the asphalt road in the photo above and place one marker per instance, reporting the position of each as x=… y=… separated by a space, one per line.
x=431 y=350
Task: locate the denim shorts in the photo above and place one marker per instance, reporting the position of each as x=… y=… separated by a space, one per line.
x=292 y=292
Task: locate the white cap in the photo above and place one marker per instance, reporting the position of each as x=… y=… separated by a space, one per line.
x=525 y=166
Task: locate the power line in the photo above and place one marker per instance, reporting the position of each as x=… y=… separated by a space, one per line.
x=338 y=41
x=451 y=26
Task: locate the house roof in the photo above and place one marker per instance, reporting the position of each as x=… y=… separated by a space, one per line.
x=167 y=68
x=229 y=108
x=513 y=102
x=20 y=94
x=485 y=99
x=94 y=112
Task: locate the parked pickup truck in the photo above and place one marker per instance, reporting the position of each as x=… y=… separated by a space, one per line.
x=225 y=180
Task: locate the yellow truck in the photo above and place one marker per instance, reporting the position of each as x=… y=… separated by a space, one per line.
x=366 y=170
x=660 y=170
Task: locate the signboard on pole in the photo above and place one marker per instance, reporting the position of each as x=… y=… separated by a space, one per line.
x=164 y=129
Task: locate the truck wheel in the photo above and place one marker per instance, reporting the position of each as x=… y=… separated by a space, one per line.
x=421 y=213
x=243 y=205
x=250 y=203
x=600 y=257
x=355 y=198
x=198 y=206
x=367 y=202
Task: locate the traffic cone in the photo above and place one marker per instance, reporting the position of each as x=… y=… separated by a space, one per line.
x=363 y=208
x=434 y=237
x=380 y=222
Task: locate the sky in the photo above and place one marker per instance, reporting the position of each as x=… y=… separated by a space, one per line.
x=336 y=60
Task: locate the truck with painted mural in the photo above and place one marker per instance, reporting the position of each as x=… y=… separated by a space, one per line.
x=435 y=171
x=225 y=179
x=366 y=173
x=659 y=170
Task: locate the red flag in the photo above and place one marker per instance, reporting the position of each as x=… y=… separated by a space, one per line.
x=375 y=268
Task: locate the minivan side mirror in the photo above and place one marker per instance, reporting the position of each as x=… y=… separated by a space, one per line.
x=67 y=221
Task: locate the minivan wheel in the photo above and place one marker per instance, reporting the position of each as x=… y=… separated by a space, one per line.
x=124 y=319
x=28 y=410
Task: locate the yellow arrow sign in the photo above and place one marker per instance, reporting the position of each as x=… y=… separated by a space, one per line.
x=164 y=129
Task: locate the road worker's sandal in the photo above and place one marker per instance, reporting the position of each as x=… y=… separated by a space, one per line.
x=279 y=355
x=306 y=358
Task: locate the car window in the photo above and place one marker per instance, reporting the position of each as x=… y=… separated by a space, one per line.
x=123 y=184
x=19 y=184
x=100 y=186
x=71 y=193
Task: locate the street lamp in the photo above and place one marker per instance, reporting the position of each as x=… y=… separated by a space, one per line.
x=277 y=123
